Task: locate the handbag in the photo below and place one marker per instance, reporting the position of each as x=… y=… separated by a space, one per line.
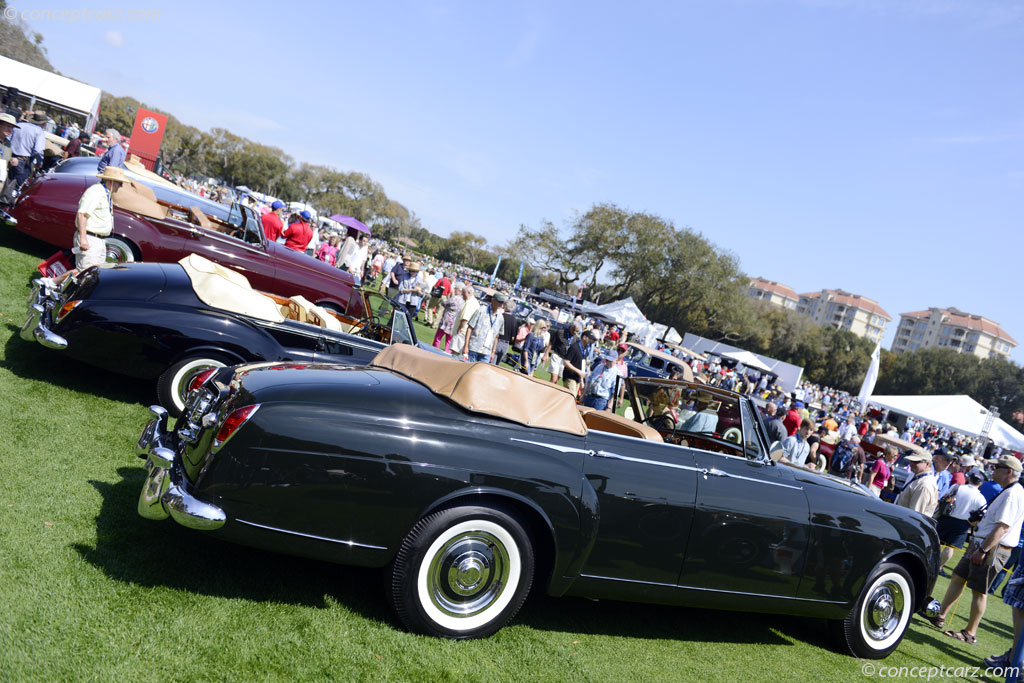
x=437 y=291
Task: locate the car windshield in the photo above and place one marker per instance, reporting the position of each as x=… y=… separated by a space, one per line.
x=383 y=311
x=695 y=415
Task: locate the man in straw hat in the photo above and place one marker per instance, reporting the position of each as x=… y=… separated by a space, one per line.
x=93 y=222
x=997 y=534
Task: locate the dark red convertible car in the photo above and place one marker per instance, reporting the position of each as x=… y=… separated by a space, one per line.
x=164 y=224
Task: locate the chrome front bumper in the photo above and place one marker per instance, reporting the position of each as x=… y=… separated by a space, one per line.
x=40 y=314
x=164 y=492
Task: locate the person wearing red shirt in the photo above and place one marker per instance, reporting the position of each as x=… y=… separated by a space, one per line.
x=792 y=420
x=298 y=234
x=272 y=225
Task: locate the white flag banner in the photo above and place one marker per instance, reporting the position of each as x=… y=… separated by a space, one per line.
x=868 y=386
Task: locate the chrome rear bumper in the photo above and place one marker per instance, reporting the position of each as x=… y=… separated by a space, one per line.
x=39 y=318
x=164 y=493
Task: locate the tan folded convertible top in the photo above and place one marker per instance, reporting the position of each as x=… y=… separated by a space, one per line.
x=488 y=389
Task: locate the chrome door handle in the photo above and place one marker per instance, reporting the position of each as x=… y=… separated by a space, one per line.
x=713 y=473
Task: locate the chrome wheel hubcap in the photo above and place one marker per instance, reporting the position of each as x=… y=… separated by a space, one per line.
x=468 y=574
x=883 y=610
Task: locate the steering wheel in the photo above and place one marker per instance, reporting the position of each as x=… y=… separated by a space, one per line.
x=372 y=329
x=661 y=422
x=733 y=435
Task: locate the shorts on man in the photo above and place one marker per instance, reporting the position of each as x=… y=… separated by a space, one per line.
x=980 y=576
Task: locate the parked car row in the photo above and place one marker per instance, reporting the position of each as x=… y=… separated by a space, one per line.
x=154 y=222
x=312 y=422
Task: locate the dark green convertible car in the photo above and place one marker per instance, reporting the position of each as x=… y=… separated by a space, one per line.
x=471 y=485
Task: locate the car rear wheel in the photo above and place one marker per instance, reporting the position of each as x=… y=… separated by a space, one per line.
x=462 y=572
x=172 y=387
x=881 y=616
x=119 y=250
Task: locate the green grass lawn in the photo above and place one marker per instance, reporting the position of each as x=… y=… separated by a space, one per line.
x=90 y=590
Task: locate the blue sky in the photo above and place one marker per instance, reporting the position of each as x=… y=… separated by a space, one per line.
x=875 y=146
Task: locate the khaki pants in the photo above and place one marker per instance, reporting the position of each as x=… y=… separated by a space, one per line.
x=94 y=256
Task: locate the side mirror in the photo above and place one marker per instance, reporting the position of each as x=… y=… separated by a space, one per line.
x=775 y=451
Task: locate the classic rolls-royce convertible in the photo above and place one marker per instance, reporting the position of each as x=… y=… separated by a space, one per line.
x=171 y=322
x=155 y=223
x=471 y=485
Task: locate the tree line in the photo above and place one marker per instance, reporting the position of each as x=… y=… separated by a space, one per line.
x=236 y=160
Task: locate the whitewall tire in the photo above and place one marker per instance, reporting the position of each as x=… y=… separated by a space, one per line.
x=462 y=572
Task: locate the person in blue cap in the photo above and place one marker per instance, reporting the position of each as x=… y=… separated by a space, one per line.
x=273 y=226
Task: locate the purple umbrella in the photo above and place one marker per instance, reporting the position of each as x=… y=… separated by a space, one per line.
x=350 y=222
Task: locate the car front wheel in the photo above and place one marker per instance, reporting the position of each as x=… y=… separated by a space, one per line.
x=881 y=616
x=462 y=572
x=172 y=387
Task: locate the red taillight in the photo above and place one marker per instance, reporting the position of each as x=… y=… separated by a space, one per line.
x=235 y=420
x=200 y=379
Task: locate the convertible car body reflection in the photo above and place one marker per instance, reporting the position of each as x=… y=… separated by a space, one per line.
x=471 y=485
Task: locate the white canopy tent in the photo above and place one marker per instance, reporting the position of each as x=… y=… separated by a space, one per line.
x=748 y=359
x=626 y=313
x=666 y=333
x=54 y=90
x=958 y=412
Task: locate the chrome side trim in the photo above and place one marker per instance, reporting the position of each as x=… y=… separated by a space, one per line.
x=611 y=578
x=644 y=461
x=712 y=590
x=352 y=544
x=762 y=481
x=554 y=446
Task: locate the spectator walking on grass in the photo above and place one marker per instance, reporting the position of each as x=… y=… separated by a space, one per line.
x=954 y=526
x=997 y=534
x=483 y=330
x=451 y=307
x=469 y=308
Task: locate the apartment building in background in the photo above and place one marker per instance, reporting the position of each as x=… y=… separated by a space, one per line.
x=952 y=329
x=773 y=293
x=845 y=311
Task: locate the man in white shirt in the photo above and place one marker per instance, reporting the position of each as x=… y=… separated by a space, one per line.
x=848 y=429
x=795 y=448
x=954 y=526
x=93 y=221
x=998 y=533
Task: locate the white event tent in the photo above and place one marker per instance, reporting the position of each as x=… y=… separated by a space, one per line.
x=957 y=412
x=747 y=359
x=55 y=91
